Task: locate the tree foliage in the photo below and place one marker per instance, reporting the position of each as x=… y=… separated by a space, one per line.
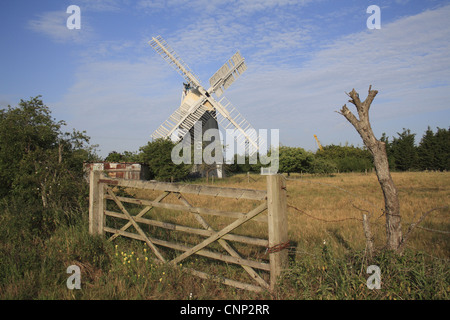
x=295 y=160
x=157 y=154
x=404 y=151
x=347 y=158
x=41 y=167
x=432 y=153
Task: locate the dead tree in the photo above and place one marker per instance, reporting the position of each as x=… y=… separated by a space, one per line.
x=378 y=150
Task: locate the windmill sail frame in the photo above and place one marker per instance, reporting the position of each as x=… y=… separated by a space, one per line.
x=226 y=115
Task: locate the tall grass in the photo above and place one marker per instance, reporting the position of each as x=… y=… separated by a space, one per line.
x=327 y=259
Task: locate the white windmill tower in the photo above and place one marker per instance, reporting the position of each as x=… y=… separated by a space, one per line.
x=198 y=104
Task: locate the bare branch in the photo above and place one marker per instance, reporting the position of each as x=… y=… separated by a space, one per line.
x=355 y=99
x=362 y=107
x=349 y=115
x=415 y=225
x=372 y=94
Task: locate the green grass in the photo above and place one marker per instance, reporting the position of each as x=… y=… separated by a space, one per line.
x=327 y=261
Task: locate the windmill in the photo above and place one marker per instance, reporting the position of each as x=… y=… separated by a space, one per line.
x=198 y=103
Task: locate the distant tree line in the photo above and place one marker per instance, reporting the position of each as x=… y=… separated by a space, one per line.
x=432 y=153
x=42 y=163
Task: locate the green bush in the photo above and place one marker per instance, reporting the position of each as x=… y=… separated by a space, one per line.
x=346 y=158
x=157 y=154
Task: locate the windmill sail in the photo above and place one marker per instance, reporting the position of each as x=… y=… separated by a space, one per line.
x=227 y=74
x=229 y=118
x=182 y=119
x=168 y=54
x=199 y=105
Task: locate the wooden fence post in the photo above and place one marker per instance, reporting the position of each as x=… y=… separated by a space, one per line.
x=96 y=203
x=278 y=226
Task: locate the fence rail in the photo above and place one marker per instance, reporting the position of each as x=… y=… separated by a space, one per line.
x=273 y=200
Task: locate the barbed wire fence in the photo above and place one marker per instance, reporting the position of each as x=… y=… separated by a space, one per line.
x=375 y=208
x=370 y=212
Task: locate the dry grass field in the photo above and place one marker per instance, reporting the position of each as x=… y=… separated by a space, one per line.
x=343 y=199
x=324 y=213
x=330 y=208
x=327 y=247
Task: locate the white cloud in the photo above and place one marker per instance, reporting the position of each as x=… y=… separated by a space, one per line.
x=119 y=103
x=54 y=25
x=260 y=5
x=100 y=5
x=408 y=61
x=238 y=7
x=402 y=2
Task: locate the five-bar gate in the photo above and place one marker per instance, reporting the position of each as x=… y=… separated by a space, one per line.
x=272 y=201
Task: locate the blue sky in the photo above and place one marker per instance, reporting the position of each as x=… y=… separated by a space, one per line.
x=302 y=57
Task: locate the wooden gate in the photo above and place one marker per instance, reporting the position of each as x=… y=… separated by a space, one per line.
x=273 y=200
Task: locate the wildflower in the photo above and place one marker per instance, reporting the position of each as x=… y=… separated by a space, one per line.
x=160 y=279
x=146 y=258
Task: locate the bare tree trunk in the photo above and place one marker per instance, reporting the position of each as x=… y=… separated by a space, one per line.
x=60 y=152
x=378 y=150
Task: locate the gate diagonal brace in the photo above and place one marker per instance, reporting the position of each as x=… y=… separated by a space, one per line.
x=140 y=214
x=253 y=274
x=135 y=225
x=221 y=233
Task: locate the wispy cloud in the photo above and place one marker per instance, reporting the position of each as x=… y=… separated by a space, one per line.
x=254 y=6
x=101 y=5
x=407 y=60
x=54 y=25
x=119 y=102
x=239 y=7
